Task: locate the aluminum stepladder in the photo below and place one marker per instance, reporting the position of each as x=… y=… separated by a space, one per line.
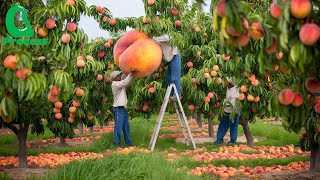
x=181 y=115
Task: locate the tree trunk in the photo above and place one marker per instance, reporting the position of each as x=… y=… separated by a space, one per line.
x=315 y=159
x=277 y=118
x=91 y=129
x=22 y=152
x=101 y=125
x=198 y=119
x=80 y=127
x=63 y=141
x=245 y=125
x=194 y=115
x=210 y=127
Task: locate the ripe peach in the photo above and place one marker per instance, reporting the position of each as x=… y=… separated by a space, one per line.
x=151 y=2
x=72 y=115
x=255 y=82
x=275 y=10
x=252 y=77
x=214 y=73
x=65 y=38
x=206 y=75
x=79 y=92
x=71 y=27
x=221 y=8
x=72 y=109
x=218 y=80
x=312 y=85
x=99 y=77
x=300 y=8
x=272 y=48
x=191 y=107
x=23 y=73
x=102 y=11
x=256 y=99
x=243 y=88
x=279 y=55
x=174 y=11
x=152 y=90
x=10 y=62
x=58 y=105
x=146 y=20
x=56 y=110
x=145 y=108
x=7 y=119
x=198 y=53
x=256 y=30
x=75 y=103
x=178 y=23
x=206 y=99
x=194 y=80
x=50 y=23
x=107 y=80
x=70 y=120
x=58 y=116
x=215 y=68
x=101 y=54
x=70 y=3
x=243 y=40
x=241 y=96
x=80 y=63
x=197 y=29
x=225 y=57
x=54 y=91
x=110 y=41
x=107 y=45
x=250 y=97
x=112 y=22
x=210 y=95
x=98 y=8
x=135 y=52
x=286 y=96
x=42 y=32
x=276 y=67
x=298 y=100
x=189 y=64
x=309 y=34
x=105 y=19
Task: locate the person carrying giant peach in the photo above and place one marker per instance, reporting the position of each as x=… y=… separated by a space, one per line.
x=120 y=100
x=171 y=55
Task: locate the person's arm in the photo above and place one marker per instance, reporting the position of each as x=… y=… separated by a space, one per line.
x=163 y=38
x=124 y=83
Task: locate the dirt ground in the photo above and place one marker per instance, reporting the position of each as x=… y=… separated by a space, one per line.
x=202 y=140
x=28 y=173
x=289 y=175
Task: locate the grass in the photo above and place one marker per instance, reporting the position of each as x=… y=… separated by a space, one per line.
x=146 y=166
x=132 y=166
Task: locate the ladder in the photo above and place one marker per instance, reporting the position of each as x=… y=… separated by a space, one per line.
x=181 y=115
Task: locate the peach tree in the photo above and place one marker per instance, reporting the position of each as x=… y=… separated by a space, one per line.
x=23 y=83
x=296 y=99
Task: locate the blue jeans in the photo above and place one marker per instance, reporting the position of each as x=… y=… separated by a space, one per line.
x=121 y=123
x=174 y=73
x=224 y=125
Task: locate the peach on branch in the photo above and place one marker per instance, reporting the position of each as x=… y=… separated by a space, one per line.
x=275 y=10
x=112 y=22
x=52 y=98
x=42 y=32
x=309 y=34
x=50 y=23
x=221 y=8
x=151 y=2
x=298 y=100
x=286 y=96
x=256 y=30
x=70 y=3
x=174 y=11
x=54 y=91
x=58 y=105
x=10 y=62
x=312 y=85
x=71 y=27
x=65 y=38
x=135 y=52
x=300 y=8
x=23 y=73
x=243 y=40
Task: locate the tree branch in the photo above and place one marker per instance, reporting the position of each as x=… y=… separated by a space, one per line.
x=13 y=128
